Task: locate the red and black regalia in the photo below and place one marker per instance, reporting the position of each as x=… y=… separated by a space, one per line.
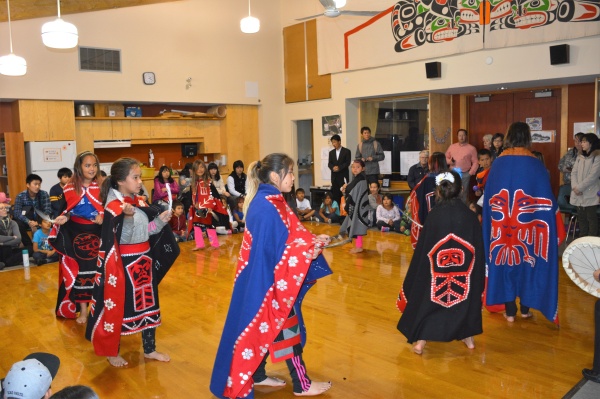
x=357 y=207
x=125 y=298
x=441 y=294
x=77 y=241
x=522 y=229
x=207 y=209
x=422 y=200
x=274 y=271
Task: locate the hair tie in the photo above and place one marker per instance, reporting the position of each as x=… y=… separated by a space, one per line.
x=258 y=165
x=447 y=176
x=85 y=153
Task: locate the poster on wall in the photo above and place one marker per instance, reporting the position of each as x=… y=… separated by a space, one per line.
x=534 y=123
x=332 y=124
x=543 y=136
x=583 y=127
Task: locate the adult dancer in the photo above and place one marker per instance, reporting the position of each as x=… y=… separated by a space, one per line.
x=441 y=294
x=279 y=261
x=76 y=236
x=135 y=254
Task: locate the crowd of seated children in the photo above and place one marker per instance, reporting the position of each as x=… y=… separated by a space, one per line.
x=388 y=215
x=42 y=250
x=178 y=222
x=305 y=212
x=329 y=212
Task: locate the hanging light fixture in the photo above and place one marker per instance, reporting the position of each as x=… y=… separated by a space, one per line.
x=58 y=33
x=12 y=65
x=250 y=24
x=339 y=3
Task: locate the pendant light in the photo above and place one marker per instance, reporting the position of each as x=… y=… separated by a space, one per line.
x=250 y=24
x=58 y=33
x=12 y=65
x=339 y=3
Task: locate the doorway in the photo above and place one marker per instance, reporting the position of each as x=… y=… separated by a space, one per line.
x=304 y=155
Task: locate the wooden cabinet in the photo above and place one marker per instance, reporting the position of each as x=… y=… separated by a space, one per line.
x=12 y=161
x=239 y=132
x=302 y=79
x=41 y=120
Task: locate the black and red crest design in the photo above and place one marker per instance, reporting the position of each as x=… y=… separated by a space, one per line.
x=451 y=261
x=86 y=246
x=140 y=274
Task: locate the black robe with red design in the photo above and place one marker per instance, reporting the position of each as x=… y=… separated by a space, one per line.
x=77 y=241
x=441 y=294
x=125 y=299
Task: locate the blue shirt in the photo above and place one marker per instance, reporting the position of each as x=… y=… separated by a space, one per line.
x=42 y=240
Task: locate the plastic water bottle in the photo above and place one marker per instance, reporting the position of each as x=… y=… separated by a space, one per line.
x=26 y=264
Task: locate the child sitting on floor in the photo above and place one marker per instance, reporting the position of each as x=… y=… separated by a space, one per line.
x=178 y=222
x=238 y=214
x=329 y=211
x=42 y=251
x=388 y=215
x=305 y=212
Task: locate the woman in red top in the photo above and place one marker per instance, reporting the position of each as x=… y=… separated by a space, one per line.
x=76 y=236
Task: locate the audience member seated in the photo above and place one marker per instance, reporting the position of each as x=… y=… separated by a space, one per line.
x=185 y=181
x=178 y=222
x=161 y=192
x=25 y=205
x=329 y=212
x=10 y=238
x=57 y=200
x=75 y=392
x=388 y=215
x=238 y=214
x=419 y=170
x=31 y=377
x=305 y=212
x=236 y=183
x=42 y=250
x=375 y=200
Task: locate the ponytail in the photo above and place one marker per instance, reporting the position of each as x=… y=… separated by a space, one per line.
x=252 y=183
x=260 y=172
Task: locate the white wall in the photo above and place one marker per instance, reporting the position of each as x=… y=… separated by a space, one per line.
x=200 y=39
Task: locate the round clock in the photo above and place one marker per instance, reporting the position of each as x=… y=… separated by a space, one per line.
x=149 y=78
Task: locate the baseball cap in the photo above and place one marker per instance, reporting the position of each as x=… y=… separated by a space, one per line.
x=31 y=378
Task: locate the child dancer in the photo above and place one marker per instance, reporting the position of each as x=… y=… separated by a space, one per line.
x=445 y=279
x=207 y=211
x=136 y=253
x=76 y=236
x=356 y=194
x=277 y=251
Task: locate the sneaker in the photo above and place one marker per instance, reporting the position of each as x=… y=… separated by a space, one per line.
x=385 y=229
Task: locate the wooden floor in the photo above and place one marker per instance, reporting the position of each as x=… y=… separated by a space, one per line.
x=352 y=336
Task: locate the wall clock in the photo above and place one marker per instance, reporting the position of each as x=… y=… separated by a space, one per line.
x=149 y=78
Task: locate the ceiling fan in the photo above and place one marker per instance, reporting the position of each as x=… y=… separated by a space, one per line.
x=332 y=10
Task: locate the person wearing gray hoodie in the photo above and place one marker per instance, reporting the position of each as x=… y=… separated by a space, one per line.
x=370 y=152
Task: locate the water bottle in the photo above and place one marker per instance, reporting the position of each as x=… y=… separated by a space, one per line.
x=26 y=264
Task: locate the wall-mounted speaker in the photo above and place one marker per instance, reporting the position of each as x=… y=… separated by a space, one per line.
x=559 y=54
x=433 y=70
x=189 y=150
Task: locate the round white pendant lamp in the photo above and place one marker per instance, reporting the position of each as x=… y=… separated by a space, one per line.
x=250 y=24
x=11 y=64
x=339 y=3
x=59 y=33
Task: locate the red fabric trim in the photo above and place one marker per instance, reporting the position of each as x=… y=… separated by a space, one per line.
x=359 y=28
x=92 y=193
x=128 y=249
x=80 y=220
x=288 y=343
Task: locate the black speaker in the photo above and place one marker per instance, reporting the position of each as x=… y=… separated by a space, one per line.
x=189 y=150
x=433 y=70
x=559 y=54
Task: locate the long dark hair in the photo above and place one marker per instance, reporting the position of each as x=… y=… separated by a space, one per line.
x=118 y=172
x=594 y=143
x=77 y=178
x=214 y=166
x=160 y=176
x=518 y=136
x=437 y=162
x=260 y=172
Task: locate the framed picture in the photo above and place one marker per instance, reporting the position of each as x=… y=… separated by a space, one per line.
x=385 y=183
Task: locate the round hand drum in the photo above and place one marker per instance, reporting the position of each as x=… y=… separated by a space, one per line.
x=580 y=260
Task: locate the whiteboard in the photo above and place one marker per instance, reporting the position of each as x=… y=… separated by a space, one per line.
x=408 y=159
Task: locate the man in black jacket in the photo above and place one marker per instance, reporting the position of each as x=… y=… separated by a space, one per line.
x=339 y=161
x=419 y=170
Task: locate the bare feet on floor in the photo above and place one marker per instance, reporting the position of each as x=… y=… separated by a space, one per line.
x=117 y=361
x=197 y=249
x=316 y=388
x=418 y=347
x=527 y=315
x=83 y=314
x=470 y=342
x=510 y=319
x=271 y=382
x=356 y=250
x=161 y=357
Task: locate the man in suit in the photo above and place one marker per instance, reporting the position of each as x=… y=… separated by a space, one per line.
x=339 y=161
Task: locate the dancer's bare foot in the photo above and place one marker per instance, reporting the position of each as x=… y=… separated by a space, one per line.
x=161 y=357
x=316 y=388
x=197 y=248
x=83 y=314
x=527 y=315
x=271 y=382
x=418 y=347
x=117 y=361
x=470 y=342
x=356 y=250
